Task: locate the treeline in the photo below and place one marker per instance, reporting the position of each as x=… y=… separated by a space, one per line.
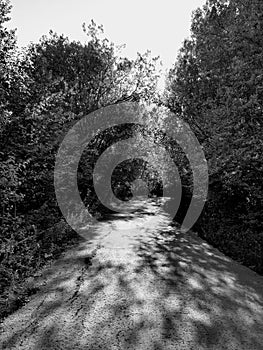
x=44 y=89
x=216 y=85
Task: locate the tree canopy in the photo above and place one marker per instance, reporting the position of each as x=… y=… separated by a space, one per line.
x=216 y=86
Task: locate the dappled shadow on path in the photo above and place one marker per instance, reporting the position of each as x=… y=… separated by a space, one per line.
x=143 y=285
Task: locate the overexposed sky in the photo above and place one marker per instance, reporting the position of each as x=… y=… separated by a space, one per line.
x=157 y=25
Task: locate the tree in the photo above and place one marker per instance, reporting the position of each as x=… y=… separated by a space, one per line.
x=45 y=88
x=216 y=86
x=7 y=46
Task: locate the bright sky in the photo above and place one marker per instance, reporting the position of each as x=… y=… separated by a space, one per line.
x=157 y=25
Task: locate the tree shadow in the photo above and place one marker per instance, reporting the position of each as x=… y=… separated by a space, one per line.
x=168 y=290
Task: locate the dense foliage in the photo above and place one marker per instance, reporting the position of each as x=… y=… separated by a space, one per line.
x=44 y=88
x=216 y=85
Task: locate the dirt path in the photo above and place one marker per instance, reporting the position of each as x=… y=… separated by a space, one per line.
x=141 y=284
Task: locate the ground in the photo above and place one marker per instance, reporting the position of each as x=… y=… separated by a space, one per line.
x=140 y=283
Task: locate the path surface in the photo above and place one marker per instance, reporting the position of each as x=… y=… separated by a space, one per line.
x=141 y=284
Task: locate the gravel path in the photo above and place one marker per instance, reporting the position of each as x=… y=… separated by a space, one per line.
x=141 y=284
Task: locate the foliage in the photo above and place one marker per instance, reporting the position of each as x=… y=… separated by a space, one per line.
x=44 y=89
x=216 y=86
